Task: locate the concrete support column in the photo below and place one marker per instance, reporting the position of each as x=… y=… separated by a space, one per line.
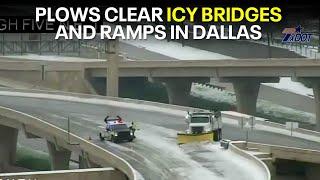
x=178 y=89
x=315 y=84
x=112 y=76
x=59 y=157
x=312 y=171
x=246 y=95
x=8 y=145
x=178 y=92
x=113 y=69
x=316 y=92
x=247 y=90
x=83 y=163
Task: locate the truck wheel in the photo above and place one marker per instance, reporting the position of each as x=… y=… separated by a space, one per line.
x=113 y=139
x=130 y=140
x=101 y=137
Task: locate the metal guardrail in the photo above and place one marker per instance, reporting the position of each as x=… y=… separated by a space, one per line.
x=303 y=49
x=40 y=47
x=43 y=43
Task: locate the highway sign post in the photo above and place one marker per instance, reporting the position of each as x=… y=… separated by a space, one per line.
x=247 y=124
x=241 y=123
x=292 y=126
x=69 y=138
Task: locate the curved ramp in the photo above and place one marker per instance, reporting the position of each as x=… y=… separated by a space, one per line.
x=155 y=153
x=60 y=137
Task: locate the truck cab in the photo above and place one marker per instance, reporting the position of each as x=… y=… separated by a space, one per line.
x=201 y=126
x=201 y=122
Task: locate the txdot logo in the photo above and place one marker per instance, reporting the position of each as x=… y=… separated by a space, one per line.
x=295 y=35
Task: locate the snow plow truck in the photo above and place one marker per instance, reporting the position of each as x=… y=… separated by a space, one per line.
x=201 y=126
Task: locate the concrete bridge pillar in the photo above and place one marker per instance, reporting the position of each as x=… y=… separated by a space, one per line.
x=316 y=92
x=84 y=162
x=315 y=84
x=246 y=95
x=112 y=76
x=178 y=89
x=8 y=145
x=59 y=157
x=312 y=171
x=247 y=90
x=113 y=59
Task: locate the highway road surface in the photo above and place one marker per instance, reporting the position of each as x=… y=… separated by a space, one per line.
x=154 y=153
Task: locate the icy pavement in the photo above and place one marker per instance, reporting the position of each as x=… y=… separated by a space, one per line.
x=36 y=57
x=155 y=153
x=199 y=160
x=288 y=85
x=175 y=49
x=223 y=162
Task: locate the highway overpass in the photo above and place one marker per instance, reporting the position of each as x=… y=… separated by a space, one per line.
x=245 y=75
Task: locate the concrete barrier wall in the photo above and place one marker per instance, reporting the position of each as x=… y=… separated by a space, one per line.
x=90 y=96
x=30 y=65
x=289 y=153
x=239 y=116
x=307 y=132
x=73 y=81
x=233 y=146
x=83 y=174
x=261 y=121
x=59 y=136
